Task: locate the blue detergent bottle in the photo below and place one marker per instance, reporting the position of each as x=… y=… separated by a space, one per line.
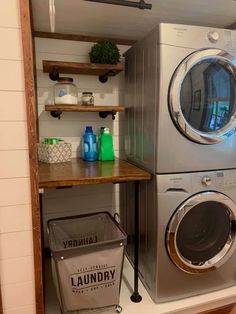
x=89 y=145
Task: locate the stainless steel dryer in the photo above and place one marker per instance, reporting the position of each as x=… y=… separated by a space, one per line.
x=188 y=229
x=181 y=99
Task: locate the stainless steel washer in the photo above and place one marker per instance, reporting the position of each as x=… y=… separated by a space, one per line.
x=200 y=236
x=187 y=233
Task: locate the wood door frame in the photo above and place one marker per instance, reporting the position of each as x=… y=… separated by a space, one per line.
x=30 y=97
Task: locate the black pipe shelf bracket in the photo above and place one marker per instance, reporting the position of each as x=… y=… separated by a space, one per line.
x=54 y=74
x=104 y=78
x=56 y=114
x=102 y=71
x=102 y=114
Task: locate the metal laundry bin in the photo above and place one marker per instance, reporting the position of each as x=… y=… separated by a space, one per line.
x=87 y=260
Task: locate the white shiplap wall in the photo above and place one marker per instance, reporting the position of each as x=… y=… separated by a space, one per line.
x=16 y=248
x=71 y=127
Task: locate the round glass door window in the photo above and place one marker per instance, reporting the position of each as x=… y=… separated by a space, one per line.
x=203 y=96
x=201 y=233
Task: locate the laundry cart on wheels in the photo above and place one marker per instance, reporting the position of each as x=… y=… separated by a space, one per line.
x=87 y=261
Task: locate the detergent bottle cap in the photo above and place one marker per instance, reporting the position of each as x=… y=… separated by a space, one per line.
x=106 y=131
x=89 y=129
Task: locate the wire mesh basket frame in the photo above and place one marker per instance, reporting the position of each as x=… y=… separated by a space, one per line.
x=67 y=253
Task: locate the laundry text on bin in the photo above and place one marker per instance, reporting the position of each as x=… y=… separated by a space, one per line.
x=88 y=279
x=79 y=242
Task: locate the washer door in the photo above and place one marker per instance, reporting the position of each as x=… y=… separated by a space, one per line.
x=201 y=234
x=202 y=96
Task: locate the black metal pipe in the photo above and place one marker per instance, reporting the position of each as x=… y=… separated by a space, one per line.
x=141 y=4
x=136 y=297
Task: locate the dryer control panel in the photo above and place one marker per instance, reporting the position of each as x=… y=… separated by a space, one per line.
x=182 y=36
x=213 y=36
x=214 y=179
x=226 y=178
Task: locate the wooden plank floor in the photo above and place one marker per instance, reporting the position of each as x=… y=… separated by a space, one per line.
x=229 y=309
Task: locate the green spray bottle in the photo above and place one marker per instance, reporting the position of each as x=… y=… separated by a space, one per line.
x=106 y=151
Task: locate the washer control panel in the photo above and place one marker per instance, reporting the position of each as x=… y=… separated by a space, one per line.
x=197 y=181
x=226 y=178
x=206 y=180
x=215 y=179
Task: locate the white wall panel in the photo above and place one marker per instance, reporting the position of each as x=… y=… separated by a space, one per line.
x=14 y=191
x=14 y=164
x=15 y=218
x=83 y=81
x=16 y=251
x=13 y=135
x=58 y=57
x=17 y=295
x=28 y=309
x=67 y=47
x=13 y=78
x=12 y=106
x=16 y=244
x=11 y=47
x=9 y=13
x=16 y=270
x=102 y=97
x=72 y=128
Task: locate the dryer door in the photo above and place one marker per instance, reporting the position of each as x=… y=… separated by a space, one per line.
x=202 y=96
x=201 y=233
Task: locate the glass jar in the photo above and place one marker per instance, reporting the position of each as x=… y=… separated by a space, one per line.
x=65 y=92
x=87 y=98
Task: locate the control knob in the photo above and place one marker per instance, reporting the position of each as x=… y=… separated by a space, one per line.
x=206 y=181
x=213 y=37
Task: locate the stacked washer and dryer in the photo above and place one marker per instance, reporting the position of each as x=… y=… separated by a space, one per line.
x=180 y=126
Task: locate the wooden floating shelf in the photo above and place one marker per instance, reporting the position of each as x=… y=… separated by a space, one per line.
x=82 y=68
x=56 y=110
x=79 y=108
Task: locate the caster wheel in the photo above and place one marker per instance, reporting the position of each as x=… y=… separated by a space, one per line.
x=118 y=309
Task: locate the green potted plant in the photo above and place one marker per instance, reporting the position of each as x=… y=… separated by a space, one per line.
x=104 y=52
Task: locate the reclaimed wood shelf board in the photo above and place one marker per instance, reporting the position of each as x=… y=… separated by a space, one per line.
x=79 y=108
x=80 y=172
x=82 y=68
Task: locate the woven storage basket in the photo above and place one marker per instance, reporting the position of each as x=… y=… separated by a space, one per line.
x=55 y=153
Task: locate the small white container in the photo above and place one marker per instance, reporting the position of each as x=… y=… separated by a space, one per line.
x=65 y=92
x=87 y=99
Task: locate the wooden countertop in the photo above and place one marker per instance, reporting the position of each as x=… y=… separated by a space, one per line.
x=79 y=172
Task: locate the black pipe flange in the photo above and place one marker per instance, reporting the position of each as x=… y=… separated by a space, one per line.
x=54 y=74
x=103 y=78
x=104 y=114
x=56 y=114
